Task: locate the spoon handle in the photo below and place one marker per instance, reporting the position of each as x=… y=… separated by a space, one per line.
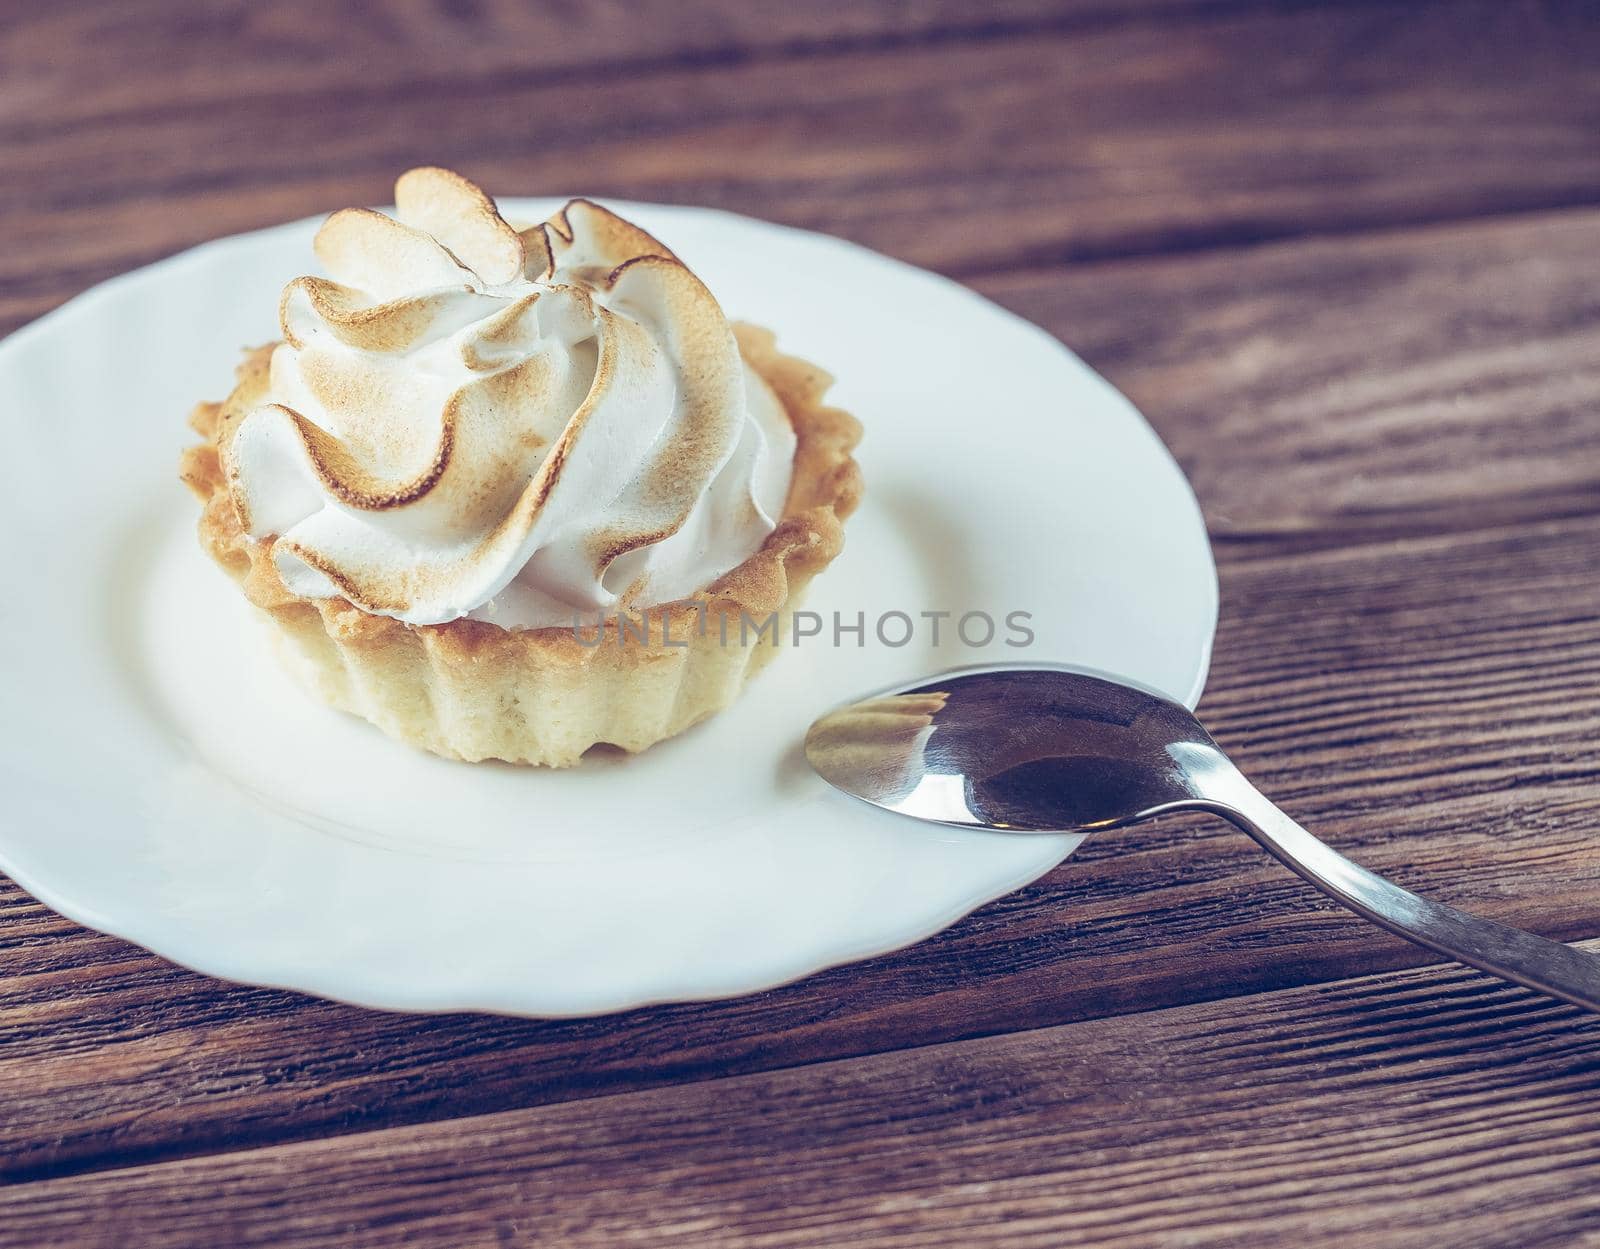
x=1521 y=957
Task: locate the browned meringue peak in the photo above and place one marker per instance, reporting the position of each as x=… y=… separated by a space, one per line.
x=562 y=240
x=365 y=249
x=464 y=407
x=463 y=219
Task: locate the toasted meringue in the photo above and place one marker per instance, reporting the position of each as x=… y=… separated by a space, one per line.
x=473 y=442
x=526 y=428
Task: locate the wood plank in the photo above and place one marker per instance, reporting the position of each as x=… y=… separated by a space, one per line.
x=1389 y=383
x=75 y=62
x=1419 y=1109
x=1036 y=144
x=1429 y=705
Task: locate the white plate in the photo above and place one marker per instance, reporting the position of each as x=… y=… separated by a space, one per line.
x=163 y=782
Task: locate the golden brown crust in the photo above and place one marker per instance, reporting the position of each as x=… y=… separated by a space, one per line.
x=825 y=490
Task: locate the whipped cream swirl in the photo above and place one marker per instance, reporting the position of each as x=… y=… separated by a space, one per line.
x=524 y=427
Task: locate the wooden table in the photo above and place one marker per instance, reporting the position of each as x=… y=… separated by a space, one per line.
x=1346 y=257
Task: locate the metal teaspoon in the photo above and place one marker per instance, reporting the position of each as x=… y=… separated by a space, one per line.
x=1049 y=750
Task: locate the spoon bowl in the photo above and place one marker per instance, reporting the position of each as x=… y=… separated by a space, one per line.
x=1024 y=750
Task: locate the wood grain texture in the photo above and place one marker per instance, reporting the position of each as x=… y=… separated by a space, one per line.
x=1046 y=133
x=1343 y=256
x=1426 y=699
x=1414 y=1110
x=1393 y=383
x=214 y=53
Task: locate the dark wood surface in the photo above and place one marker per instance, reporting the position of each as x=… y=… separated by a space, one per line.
x=1347 y=259
x=1425 y=1109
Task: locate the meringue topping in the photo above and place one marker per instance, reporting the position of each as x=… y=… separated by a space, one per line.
x=525 y=427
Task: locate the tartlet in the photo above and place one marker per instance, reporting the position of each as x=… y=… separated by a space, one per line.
x=366 y=538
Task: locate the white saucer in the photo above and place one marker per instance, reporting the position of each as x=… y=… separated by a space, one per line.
x=164 y=782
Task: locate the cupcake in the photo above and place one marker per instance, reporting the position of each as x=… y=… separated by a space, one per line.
x=509 y=494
